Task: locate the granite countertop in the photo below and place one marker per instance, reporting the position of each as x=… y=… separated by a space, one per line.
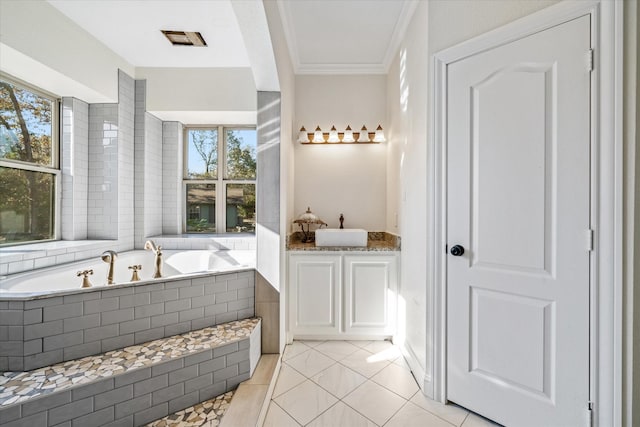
x=376 y=242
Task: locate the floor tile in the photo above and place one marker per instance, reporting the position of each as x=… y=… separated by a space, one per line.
x=378 y=346
x=360 y=343
x=305 y=401
x=411 y=415
x=398 y=380
x=339 y=380
x=288 y=378
x=375 y=402
x=277 y=417
x=336 y=350
x=365 y=363
x=312 y=343
x=310 y=362
x=292 y=350
x=452 y=413
x=474 y=420
x=400 y=361
x=341 y=415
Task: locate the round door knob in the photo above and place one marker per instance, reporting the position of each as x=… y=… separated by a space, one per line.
x=457 y=250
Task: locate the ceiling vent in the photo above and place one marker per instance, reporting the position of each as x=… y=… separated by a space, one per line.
x=184 y=38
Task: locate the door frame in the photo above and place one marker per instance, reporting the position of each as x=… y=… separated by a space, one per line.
x=606 y=208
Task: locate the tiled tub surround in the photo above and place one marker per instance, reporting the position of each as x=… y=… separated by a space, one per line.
x=40 y=331
x=134 y=385
x=376 y=241
x=17 y=259
x=175 y=263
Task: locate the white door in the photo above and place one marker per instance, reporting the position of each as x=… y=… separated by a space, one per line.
x=518 y=141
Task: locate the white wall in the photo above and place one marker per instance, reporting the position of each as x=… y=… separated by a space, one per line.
x=201 y=95
x=407 y=190
x=436 y=25
x=347 y=179
x=287 y=108
x=42 y=46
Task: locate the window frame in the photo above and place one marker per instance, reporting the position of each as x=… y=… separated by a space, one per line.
x=221 y=180
x=53 y=169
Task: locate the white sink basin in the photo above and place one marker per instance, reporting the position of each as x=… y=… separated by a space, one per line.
x=341 y=237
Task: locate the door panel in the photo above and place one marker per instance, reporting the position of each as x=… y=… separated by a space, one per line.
x=315 y=294
x=519 y=160
x=518 y=147
x=370 y=294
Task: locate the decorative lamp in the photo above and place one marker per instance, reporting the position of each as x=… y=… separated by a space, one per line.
x=317 y=135
x=308 y=218
x=379 y=136
x=348 y=135
x=364 y=135
x=303 y=136
x=333 y=135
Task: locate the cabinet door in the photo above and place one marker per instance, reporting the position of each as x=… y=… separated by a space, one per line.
x=370 y=294
x=314 y=303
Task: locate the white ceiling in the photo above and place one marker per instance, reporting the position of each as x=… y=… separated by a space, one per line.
x=323 y=36
x=131 y=28
x=344 y=36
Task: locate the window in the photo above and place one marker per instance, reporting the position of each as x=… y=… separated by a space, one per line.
x=219 y=177
x=28 y=163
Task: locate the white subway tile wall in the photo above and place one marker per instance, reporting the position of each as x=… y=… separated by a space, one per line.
x=74 y=163
x=125 y=192
x=172 y=154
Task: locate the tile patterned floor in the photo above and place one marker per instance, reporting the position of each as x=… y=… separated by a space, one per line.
x=205 y=414
x=353 y=384
x=20 y=386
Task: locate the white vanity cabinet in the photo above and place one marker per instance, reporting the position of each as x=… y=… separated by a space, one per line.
x=336 y=295
x=314 y=294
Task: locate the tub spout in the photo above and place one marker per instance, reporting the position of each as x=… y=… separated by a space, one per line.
x=110 y=257
x=157 y=250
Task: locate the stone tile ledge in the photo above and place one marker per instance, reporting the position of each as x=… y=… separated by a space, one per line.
x=377 y=241
x=19 y=387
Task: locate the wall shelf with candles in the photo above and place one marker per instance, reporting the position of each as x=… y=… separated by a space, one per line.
x=347 y=137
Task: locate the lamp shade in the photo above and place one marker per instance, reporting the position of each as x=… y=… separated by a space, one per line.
x=303 y=136
x=348 y=135
x=317 y=135
x=379 y=136
x=333 y=135
x=364 y=135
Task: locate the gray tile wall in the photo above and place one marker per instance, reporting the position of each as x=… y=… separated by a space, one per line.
x=40 y=332
x=146 y=394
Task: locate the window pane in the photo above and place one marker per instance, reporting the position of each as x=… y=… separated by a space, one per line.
x=26 y=205
x=241 y=153
x=25 y=128
x=201 y=208
x=202 y=158
x=241 y=208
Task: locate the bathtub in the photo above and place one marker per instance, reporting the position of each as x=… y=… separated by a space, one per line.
x=176 y=264
x=48 y=318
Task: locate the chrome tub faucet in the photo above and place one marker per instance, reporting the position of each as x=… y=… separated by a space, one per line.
x=157 y=250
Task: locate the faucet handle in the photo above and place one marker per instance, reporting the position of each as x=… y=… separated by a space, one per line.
x=135 y=269
x=85 y=279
